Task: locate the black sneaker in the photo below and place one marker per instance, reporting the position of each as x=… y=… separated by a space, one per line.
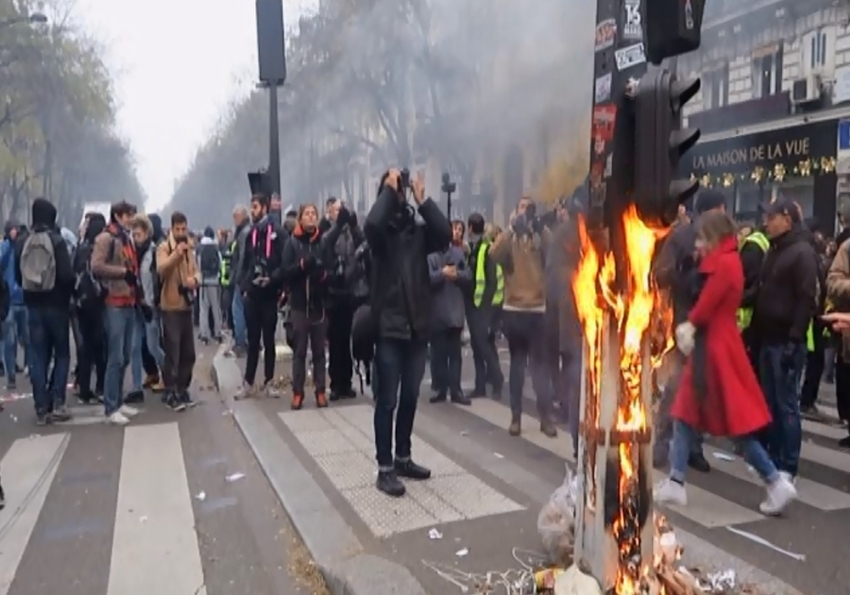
x=186 y=399
x=42 y=419
x=12 y=385
x=174 y=403
x=438 y=398
x=461 y=399
x=61 y=414
x=349 y=394
x=334 y=396
x=389 y=484
x=2 y=498
x=88 y=398
x=698 y=462
x=844 y=442
x=135 y=397
x=411 y=470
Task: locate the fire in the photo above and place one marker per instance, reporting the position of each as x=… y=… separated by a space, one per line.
x=632 y=305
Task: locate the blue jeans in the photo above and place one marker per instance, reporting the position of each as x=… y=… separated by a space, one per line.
x=153 y=337
x=663 y=421
x=240 y=330
x=136 y=353
x=751 y=449
x=120 y=328
x=399 y=367
x=49 y=333
x=15 y=330
x=780 y=370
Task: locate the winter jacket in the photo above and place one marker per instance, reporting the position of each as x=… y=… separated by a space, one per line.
x=146 y=275
x=113 y=255
x=263 y=249
x=305 y=273
x=400 y=287
x=676 y=269
x=9 y=266
x=44 y=219
x=173 y=271
x=838 y=290
x=719 y=393
x=522 y=258
x=208 y=243
x=340 y=243
x=561 y=261
x=788 y=290
x=237 y=257
x=447 y=307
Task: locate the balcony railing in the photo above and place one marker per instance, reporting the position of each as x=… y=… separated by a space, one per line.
x=743 y=113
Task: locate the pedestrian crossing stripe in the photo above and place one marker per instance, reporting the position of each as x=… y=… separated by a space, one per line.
x=704 y=507
x=154 y=543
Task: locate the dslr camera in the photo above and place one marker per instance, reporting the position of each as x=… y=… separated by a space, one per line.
x=404 y=181
x=187 y=294
x=528 y=221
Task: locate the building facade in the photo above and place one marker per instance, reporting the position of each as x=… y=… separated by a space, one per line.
x=774 y=105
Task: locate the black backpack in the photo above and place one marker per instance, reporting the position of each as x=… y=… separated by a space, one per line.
x=89 y=292
x=210 y=263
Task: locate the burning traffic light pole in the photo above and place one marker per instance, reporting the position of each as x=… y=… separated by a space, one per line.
x=637 y=140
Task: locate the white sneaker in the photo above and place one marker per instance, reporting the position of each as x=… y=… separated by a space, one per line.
x=789 y=477
x=271 y=391
x=670 y=492
x=128 y=411
x=117 y=419
x=245 y=392
x=780 y=494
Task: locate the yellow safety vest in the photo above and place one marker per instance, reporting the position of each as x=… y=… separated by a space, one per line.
x=745 y=315
x=224 y=273
x=481 y=279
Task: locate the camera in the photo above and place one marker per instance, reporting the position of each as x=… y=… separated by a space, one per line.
x=405 y=179
x=527 y=221
x=187 y=294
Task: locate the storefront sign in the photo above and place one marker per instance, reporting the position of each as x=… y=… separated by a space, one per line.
x=760 y=154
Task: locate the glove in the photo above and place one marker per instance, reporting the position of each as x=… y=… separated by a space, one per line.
x=129 y=277
x=685 y=338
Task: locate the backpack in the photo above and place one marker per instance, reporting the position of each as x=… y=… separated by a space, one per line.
x=88 y=290
x=210 y=263
x=38 y=262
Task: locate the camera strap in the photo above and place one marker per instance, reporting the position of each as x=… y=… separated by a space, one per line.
x=254 y=238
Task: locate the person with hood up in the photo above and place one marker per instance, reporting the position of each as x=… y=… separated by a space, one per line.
x=450 y=279
x=149 y=338
x=306 y=277
x=261 y=281
x=719 y=393
x=90 y=312
x=209 y=294
x=45 y=274
x=115 y=263
x=15 y=326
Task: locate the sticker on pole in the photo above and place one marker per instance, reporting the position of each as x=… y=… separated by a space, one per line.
x=633 y=27
x=630 y=56
x=606 y=31
x=689 y=15
x=603 y=88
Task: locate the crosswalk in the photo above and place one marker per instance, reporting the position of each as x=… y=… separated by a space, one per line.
x=154 y=544
x=705 y=507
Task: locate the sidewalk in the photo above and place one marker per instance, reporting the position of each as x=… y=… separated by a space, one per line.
x=483 y=499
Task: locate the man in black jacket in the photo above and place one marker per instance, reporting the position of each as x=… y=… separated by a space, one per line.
x=261 y=281
x=785 y=305
x=401 y=311
x=48 y=312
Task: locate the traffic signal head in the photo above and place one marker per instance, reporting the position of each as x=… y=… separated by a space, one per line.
x=660 y=142
x=673 y=27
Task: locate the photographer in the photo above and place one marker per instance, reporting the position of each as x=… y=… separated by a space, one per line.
x=306 y=279
x=520 y=251
x=261 y=282
x=340 y=245
x=400 y=315
x=178 y=279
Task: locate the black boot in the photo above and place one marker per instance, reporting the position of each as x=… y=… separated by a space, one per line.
x=411 y=470
x=389 y=484
x=173 y=402
x=135 y=397
x=698 y=462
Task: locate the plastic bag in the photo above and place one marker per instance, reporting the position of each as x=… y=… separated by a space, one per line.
x=556 y=522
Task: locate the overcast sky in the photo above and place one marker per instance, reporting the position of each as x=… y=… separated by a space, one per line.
x=176 y=63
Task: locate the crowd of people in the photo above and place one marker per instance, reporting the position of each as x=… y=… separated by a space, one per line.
x=385 y=298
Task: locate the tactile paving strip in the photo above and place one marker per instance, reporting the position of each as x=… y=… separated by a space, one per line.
x=344 y=449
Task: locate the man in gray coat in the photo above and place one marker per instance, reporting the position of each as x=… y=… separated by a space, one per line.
x=449 y=279
x=242 y=226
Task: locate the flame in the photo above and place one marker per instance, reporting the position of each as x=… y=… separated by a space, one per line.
x=639 y=312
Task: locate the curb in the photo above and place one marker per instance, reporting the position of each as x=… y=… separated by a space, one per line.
x=346 y=567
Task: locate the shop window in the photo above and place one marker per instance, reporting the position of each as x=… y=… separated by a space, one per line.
x=716 y=89
x=767 y=72
x=748 y=196
x=800 y=190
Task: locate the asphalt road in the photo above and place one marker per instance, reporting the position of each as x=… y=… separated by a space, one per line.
x=98 y=510
x=488 y=489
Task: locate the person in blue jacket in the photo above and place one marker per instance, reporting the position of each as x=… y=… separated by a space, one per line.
x=14 y=328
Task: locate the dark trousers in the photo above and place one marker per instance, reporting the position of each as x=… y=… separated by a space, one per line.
x=261 y=322
x=148 y=362
x=446 y=361
x=312 y=330
x=178 y=342
x=842 y=388
x=485 y=358
x=527 y=347
x=341 y=368
x=815 y=364
x=780 y=371
x=92 y=354
x=226 y=306
x=50 y=342
x=399 y=367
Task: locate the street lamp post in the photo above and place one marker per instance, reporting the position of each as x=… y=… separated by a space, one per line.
x=449 y=188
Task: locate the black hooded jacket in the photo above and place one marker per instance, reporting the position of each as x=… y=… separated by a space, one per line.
x=264 y=247
x=400 y=287
x=44 y=219
x=305 y=272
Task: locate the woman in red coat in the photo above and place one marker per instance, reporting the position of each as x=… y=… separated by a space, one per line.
x=719 y=393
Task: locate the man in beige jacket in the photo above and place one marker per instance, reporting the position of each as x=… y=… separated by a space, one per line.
x=178 y=281
x=838 y=298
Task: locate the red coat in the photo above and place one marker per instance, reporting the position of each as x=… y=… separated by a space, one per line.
x=733 y=404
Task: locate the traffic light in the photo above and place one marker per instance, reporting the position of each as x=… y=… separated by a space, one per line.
x=673 y=27
x=660 y=142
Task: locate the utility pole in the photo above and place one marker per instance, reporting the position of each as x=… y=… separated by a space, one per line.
x=636 y=141
x=449 y=188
